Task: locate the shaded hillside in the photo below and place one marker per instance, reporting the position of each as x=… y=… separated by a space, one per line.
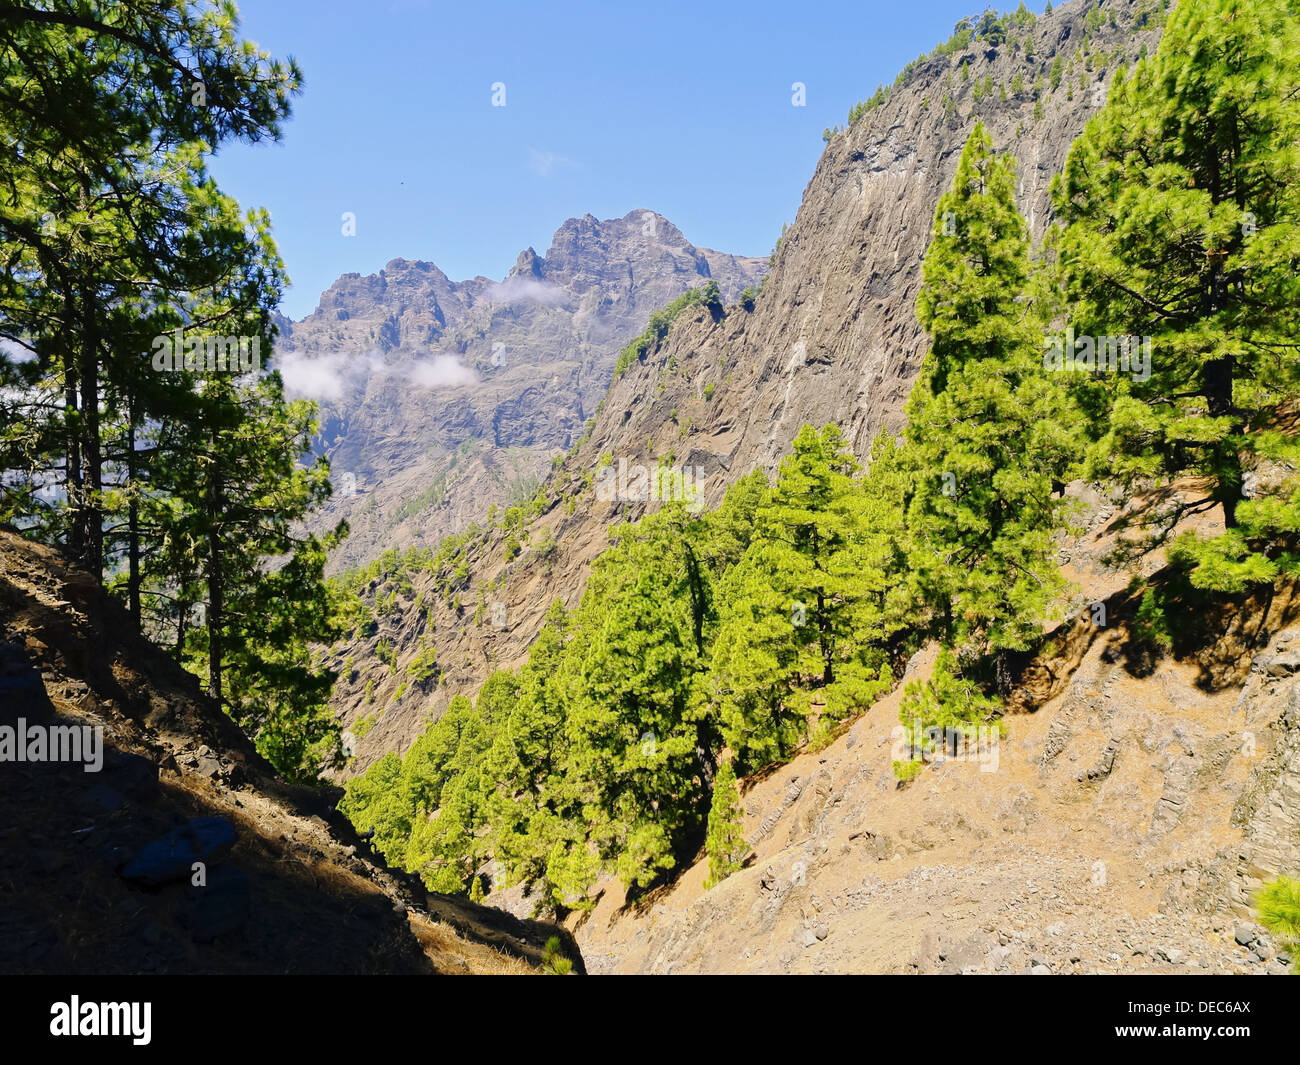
x=440 y=398
x=97 y=871
x=832 y=337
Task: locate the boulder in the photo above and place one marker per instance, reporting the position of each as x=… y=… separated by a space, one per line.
x=171 y=857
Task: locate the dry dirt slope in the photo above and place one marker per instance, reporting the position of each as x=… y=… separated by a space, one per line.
x=1132 y=810
x=290 y=887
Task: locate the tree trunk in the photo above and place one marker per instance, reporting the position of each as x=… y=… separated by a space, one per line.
x=696 y=585
x=1216 y=385
x=92 y=463
x=133 y=523
x=91 y=517
x=72 y=462
x=216 y=602
x=1217 y=374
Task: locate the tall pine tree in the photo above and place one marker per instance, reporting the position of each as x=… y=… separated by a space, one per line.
x=178 y=487
x=802 y=616
x=1181 y=202
x=725 y=844
x=989 y=433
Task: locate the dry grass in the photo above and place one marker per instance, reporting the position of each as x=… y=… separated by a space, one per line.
x=453 y=956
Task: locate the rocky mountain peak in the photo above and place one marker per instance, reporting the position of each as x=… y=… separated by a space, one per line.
x=440 y=397
x=529 y=264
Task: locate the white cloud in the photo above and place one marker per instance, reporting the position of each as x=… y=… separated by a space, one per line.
x=544 y=164
x=525 y=289
x=329 y=376
x=442 y=371
x=312 y=377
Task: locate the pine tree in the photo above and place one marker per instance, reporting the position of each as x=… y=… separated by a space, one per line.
x=553 y=962
x=885 y=488
x=989 y=434
x=453 y=741
x=530 y=803
x=946 y=700
x=730 y=527
x=801 y=616
x=1279 y=912
x=106 y=218
x=1180 y=202
x=179 y=485
x=636 y=722
x=497 y=697
x=235 y=498
x=725 y=844
x=446 y=847
x=375 y=800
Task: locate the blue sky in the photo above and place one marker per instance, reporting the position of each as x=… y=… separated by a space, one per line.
x=683 y=108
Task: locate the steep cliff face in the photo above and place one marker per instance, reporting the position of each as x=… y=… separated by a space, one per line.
x=440 y=398
x=832 y=337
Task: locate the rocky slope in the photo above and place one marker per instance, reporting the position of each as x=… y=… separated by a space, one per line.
x=832 y=337
x=97 y=868
x=1122 y=823
x=440 y=397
